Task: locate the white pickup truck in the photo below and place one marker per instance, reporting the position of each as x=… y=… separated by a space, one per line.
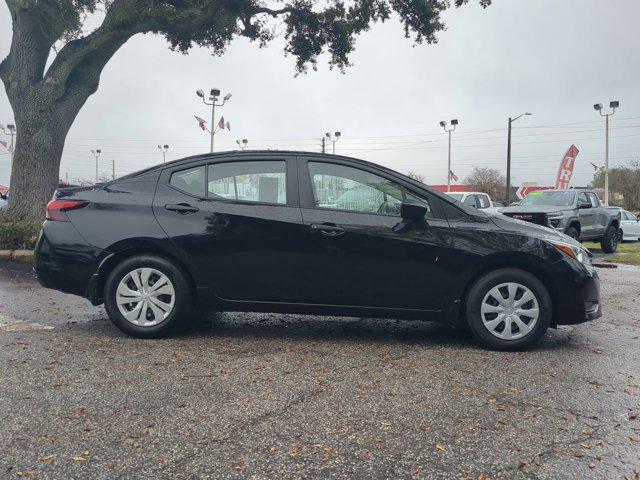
x=479 y=200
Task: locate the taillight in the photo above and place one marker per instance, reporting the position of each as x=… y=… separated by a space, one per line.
x=56 y=209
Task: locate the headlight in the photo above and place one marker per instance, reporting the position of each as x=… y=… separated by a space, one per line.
x=580 y=254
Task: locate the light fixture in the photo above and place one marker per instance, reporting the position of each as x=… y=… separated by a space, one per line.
x=227 y=96
x=597 y=106
x=454 y=121
x=443 y=124
x=614 y=104
x=215 y=93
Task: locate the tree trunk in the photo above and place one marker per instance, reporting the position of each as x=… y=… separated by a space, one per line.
x=36 y=163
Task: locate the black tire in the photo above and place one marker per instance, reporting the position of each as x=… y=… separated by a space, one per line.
x=609 y=242
x=481 y=288
x=572 y=232
x=182 y=302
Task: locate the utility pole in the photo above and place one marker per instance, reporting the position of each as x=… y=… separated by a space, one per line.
x=508 y=188
x=163 y=149
x=454 y=124
x=214 y=94
x=96 y=154
x=113 y=169
x=324 y=144
x=598 y=107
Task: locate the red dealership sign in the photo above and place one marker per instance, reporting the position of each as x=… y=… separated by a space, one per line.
x=566 y=168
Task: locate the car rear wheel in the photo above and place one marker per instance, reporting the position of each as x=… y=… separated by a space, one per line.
x=609 y=242
x=147 y=296
x=508 y=309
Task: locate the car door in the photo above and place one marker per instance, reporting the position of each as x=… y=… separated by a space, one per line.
x=600 y=217
x=356 y=253
x=630 y=225
x=237 y=224
x=587 y=216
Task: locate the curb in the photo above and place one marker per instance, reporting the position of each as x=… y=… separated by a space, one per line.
x=17 y=259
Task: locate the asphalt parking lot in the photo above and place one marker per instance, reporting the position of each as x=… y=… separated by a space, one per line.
x=283 y=396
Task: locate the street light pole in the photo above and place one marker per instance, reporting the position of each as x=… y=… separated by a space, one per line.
x=163 y=149
x=242 y=144
x=454 y=124
x=598 y=107
x=508 y=189
x=214 y=94
x=96 y=154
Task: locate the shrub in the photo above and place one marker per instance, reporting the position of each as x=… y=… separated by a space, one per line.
x=18 y=235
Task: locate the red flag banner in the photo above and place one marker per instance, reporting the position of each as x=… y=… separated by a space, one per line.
x=221 y=123
x=566 y=168
x=453 y=176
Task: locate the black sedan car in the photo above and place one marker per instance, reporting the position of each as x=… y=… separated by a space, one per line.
x=307 y=233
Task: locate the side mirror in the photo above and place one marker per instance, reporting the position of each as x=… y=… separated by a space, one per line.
x=412 y=211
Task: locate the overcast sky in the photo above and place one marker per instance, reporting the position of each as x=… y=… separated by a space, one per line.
x=552 y=58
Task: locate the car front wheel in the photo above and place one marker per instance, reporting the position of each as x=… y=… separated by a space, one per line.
x=147 y=296
x=508 y=309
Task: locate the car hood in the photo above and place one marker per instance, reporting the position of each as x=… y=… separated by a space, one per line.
x=535 y=209
x=532 y=230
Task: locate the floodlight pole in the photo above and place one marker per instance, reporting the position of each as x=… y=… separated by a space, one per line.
x=96 y=154
x=333 y=138
x=454 y=124
x=213 y=98
x=163 y=149
x=508 y=188
x=598 y=107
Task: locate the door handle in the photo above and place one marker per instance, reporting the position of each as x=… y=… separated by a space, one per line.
x=328 y=229
x=182 y=208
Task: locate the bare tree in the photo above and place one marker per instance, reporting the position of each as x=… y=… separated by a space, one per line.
x=416 y=176
x=487 y=180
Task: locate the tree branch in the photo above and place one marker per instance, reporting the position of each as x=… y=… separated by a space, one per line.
x=36 y=27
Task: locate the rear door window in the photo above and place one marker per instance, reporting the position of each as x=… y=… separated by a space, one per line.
x=251 y=181
x=190 y=181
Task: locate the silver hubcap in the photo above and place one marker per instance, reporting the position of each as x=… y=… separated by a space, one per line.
x=510 y=311
x=145 y=297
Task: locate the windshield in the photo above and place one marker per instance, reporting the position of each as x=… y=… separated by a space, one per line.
x=550 y=197
x=457 y=196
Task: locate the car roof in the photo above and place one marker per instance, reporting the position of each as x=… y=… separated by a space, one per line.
x=239 y=154
x=231 y=155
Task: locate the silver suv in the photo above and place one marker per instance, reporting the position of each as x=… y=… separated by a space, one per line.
x=577 y=213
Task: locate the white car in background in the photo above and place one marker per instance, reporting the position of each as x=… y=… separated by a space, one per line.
x=629 y=226
x=479 y=200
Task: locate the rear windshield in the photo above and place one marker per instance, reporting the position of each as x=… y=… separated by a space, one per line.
x=550 y=197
